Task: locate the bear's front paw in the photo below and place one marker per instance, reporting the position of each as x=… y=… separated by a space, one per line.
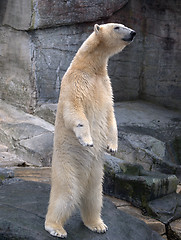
x=112 y=148
x=83 y=135
x=85 y=142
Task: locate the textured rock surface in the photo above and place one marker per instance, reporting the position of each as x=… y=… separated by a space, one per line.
x=47 y=112
x=147 y=135
x=16 y=82
x=126 y=207
x=155 y=52
x=131 y=182
x=44 y=13
x=35 y=61
x=167 y=208
x=30 y=137
x=174 y=230
x=5 y=173
x=52 y=58
x=23 y=207
x=8 y=159
x=43 y=175
x=18 y=14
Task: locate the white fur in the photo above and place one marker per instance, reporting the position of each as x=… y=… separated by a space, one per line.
x=85 y=127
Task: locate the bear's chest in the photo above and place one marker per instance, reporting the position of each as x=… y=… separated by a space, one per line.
x=99 y=95
x=97 y=104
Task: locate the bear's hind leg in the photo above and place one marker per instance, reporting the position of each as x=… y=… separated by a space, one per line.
x=57 y=215
x=63 y=200
x=91 y=202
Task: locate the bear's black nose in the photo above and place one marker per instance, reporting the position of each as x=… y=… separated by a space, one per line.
x=133 y=33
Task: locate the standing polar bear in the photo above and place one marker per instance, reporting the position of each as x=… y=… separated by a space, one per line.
x=85 y=127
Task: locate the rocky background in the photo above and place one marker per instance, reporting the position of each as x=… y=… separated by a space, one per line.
x=38 y=40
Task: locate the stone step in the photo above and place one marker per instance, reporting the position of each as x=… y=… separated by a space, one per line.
x=157 y=194
x=131 y=182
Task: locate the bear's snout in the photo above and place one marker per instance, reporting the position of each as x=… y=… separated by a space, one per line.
x=129 y=37
x=132 y=33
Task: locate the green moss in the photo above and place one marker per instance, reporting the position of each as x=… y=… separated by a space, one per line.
x=2 y=177
x=129 y=169
x=144 y=201
x=129 y=190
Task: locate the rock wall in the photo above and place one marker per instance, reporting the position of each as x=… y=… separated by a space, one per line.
x=153 y=65
x=38 y=40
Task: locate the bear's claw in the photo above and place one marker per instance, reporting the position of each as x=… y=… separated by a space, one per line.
x=112 y=150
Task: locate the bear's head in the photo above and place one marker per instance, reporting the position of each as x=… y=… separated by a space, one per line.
x=114 y=36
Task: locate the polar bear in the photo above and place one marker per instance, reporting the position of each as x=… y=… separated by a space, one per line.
x=85 y=127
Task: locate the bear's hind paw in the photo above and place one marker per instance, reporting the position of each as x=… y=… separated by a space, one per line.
x=99 y=228
x=61 y=233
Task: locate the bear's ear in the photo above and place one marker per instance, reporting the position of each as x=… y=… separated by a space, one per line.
x=96 y=28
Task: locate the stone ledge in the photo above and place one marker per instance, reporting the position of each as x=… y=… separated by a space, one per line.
x=132 y=183
x=23 y=206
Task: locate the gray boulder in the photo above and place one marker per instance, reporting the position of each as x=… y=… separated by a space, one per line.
x=47 y=112
x=23 y=206
x=166 y=209
x=149 y=135
x=26 y=136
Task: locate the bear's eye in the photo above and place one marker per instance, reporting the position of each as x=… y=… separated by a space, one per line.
x=116 y=28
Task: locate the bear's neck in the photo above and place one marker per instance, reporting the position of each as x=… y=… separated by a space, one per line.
x=92 y=57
